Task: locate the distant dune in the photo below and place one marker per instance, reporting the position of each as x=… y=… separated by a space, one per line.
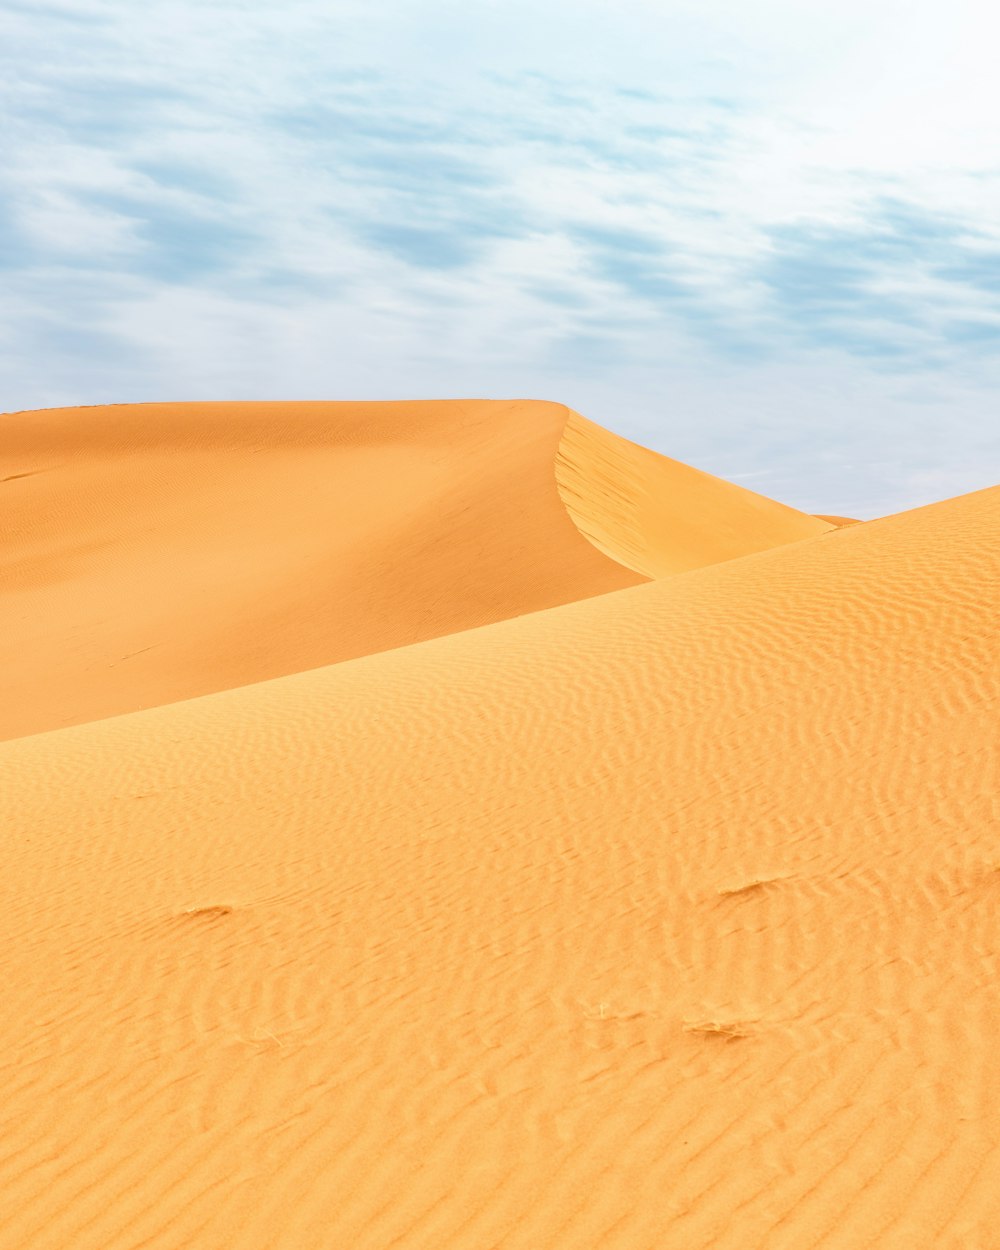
x=164 y=551
x=662 y=919
x=657 y=516
x=838 y=521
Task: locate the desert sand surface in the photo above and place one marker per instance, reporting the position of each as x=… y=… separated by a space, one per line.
x=838 y=521
x=657 y=516
x=663 y=918
x=162 y=551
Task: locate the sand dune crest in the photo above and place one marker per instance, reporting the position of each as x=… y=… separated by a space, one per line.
x=157 y=552
x=657 y=516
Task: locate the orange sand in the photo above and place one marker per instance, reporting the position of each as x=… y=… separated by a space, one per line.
x=164 y=551
x=657 y=516
x=666 y=918
x=838 y=521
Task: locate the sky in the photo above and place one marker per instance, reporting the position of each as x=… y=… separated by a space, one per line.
x=761 y=236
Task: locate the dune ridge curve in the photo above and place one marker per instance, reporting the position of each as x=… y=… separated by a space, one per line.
x=156 y=552
x=657 y=516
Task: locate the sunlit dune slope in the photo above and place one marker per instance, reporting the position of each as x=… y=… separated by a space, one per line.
x=663 y=920
x=155 y=552
x=658 y=516
x=838 y=521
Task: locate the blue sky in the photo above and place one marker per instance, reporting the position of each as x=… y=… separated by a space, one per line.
x=763 y=237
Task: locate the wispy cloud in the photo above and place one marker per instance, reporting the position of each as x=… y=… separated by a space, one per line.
x=892 y=286
x=654 y=217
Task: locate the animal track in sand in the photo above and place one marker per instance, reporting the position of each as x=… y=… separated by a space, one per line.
x=211 y=913
x=754 y=886
x=727 y=1030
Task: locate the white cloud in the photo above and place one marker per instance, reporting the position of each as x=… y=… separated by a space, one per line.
x=759 y=236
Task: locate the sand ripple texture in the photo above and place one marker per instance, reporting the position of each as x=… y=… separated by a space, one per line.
x=665 y=919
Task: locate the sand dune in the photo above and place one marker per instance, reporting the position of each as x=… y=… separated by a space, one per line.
x=838 y=521
x=666 y=918
x=658 y=516
x=163 y=551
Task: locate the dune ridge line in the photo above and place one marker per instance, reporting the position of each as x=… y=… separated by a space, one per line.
x=657 y=516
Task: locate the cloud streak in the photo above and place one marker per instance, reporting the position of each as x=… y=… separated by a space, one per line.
x=218 y=200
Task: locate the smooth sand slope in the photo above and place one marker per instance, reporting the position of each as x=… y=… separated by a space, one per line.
x=666 y=919
x=838 y=521
x=156 y=552
x=658 y=516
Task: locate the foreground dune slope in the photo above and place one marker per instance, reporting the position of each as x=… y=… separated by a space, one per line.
x=160 y=551
x=664 y=919
x=658 y=516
